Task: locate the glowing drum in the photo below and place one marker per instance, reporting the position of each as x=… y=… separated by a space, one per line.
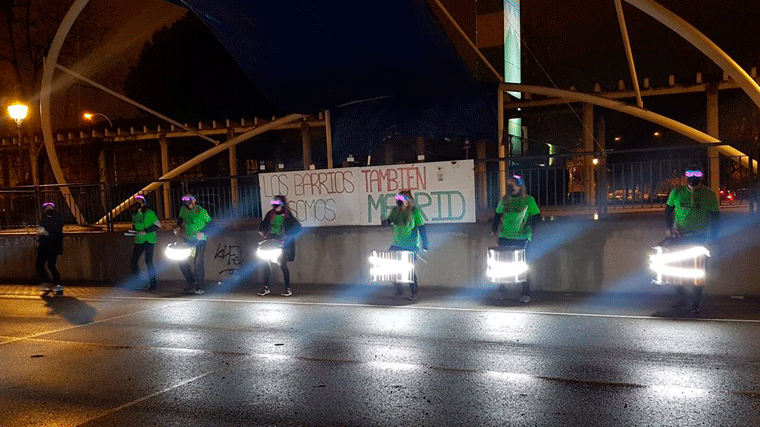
x=679 y=264
x=269 y=251
x=506 y=265
x=179 y=251
x=391 y=266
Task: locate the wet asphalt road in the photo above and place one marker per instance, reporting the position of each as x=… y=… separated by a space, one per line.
x=355 y=357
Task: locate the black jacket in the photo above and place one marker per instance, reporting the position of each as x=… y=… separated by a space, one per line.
x=53 y=224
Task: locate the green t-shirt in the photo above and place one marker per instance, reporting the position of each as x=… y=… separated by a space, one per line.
x=140 y=222
x=405 y=233
x=275 y=226
x=195 y=220
x=692 y=208
x=514 y=220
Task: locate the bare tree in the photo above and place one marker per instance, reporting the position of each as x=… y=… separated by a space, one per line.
x=27 y=28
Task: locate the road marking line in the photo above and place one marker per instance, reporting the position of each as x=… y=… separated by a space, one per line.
x=144 y=398
x=402 y=366
x=422 y=307
x=407 y=307
x=89 y=324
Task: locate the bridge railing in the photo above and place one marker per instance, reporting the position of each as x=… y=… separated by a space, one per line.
x=624 y=180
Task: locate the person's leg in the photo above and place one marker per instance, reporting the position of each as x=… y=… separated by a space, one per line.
x=186 y=267
x=200 y=279
x=51 y=260
x=286 y=278
x=40 y=266
x=526 y=285
x=285 y=273
x=137 y=250
x=697 y=297
x=267 y=277
x=413 y=286
x=149 y=247
x=680 y=297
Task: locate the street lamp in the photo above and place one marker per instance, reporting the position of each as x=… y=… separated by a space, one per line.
x=91 y=116
x=18 y=113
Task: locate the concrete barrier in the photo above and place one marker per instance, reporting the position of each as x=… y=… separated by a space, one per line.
x=568 y=254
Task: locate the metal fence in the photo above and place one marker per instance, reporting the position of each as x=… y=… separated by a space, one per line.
x=21 y=206
x=634 y=179
x=618 y=180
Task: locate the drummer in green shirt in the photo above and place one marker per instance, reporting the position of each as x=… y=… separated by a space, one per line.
x=409 y=233
x=145 y=223
x=691 y=210
x=517 y=214
x=194 y=219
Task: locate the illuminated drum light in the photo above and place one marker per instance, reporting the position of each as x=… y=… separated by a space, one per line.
x=672 y=274
x=269 y=255
x=684 y=273
x=506 y=266
x=671 y=257
x=178 y=251
x=393 y=266
x=497 y=270
x=389 y=266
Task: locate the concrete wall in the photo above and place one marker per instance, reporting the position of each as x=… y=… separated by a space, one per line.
x=570 y=254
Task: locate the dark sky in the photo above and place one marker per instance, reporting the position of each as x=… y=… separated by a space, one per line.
x=567 y=42
x=579 y=42
x=132 y=23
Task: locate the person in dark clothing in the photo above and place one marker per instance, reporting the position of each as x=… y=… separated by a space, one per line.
x=280 y=224
x=145 y=223
x=517 y=214
x=50 y=237
x=409 y=232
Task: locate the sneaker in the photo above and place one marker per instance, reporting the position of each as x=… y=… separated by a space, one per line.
x=287 y=293
x=58 y=289
x=413 y=297
x=525 y=299
x=199 y=292
x=263 y=292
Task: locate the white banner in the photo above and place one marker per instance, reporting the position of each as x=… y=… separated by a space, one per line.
x=445 y=191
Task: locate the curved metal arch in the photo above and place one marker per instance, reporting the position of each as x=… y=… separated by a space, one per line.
x=701 y=42
x=641 y=113
x=199 y=158
x=663 y=15
x=45 y=90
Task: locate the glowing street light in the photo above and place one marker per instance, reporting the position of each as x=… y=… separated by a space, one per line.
x=658 y=133
x=91 y=116
x=18 y=112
